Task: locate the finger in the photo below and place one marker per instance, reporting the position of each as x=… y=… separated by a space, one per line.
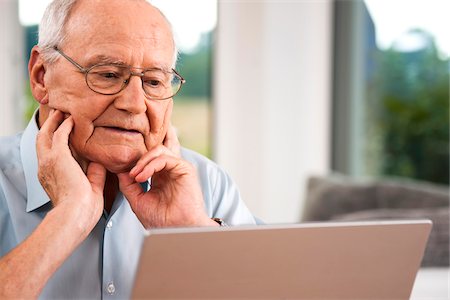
x=148 y=157
x=96 y=175
x=53 y=121
x=45 y=135
x=61 y=135
x=171 y=140
x=132 y=191
x=167 y=119
x=145 y=159
x=162 y=162
x=130 y=188
x=168 y=115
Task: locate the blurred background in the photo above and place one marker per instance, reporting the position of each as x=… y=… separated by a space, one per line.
x=282 y=94
x=319 y=109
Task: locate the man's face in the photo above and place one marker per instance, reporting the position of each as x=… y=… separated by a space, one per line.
x=114 y=130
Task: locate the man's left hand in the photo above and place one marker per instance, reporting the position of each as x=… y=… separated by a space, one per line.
x=175 y=197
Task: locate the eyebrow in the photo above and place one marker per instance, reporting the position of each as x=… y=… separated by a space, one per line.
x=104 y=59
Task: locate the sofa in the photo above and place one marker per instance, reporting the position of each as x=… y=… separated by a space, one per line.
x=341 y=198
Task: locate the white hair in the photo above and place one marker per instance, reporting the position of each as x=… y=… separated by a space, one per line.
x=53 y=24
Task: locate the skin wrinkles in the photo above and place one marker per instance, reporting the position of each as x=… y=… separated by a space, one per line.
x=100 y=58
x=94 y=115
x=103 y=59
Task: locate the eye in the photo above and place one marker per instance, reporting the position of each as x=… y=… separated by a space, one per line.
x=107 y=72
x=155 y=79
x=109 y=75
x=153 y=83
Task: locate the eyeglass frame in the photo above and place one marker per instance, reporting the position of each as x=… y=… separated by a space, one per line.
x=86 y=71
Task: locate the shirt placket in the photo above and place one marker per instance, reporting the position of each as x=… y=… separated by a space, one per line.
x=109 y=281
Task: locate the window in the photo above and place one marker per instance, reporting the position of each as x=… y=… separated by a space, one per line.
x=391 y=92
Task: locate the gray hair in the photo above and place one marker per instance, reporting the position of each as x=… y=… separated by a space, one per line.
x=52 y=29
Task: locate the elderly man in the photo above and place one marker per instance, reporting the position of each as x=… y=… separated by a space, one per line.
x=75 y=193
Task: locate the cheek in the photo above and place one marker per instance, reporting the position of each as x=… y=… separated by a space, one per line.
x=155 y=114
x=83 y=128
x=59 y=100
x=81 y=104
x=84 y=114
x=62 y=90
x=158 y=114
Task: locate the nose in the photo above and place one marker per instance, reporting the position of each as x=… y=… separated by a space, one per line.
x=132 y=97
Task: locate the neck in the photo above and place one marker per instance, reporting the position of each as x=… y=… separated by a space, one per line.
x=111 y=190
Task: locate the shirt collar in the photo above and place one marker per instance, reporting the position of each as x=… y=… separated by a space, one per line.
x=36 y=195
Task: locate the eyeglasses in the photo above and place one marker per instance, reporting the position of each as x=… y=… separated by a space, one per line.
x=111 y=79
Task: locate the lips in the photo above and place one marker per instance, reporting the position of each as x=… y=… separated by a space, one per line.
x=122 y=124
x=121 y=130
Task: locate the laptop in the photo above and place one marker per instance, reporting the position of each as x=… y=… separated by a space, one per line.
x=345 y=260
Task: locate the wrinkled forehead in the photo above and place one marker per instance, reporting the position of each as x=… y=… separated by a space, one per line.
x=133 y=23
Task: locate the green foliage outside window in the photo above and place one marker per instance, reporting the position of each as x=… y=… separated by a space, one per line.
x=410 y=112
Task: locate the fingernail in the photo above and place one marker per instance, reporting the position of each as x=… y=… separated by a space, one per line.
x=133 y=171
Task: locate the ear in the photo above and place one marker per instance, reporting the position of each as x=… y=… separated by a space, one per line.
x=36 y=71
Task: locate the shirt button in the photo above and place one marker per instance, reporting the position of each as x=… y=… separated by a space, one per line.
x=109 y=225
x=111 y=288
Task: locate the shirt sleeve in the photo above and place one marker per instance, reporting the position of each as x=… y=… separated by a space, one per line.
x=220 y=192
x=10 y=197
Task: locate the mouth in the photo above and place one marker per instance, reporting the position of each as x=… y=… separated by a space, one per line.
x=121 y=130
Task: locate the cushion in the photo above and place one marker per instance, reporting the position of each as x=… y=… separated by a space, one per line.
x=437 y=250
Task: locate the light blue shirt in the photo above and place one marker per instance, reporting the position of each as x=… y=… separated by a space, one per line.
x=104 y=265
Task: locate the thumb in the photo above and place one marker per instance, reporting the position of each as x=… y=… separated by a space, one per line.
x=96 y=175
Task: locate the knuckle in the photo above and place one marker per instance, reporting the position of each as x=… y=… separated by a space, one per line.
x=155 y=151
x=160 y=149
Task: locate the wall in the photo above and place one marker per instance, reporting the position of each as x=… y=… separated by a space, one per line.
x=271 y=89
x=11 y=68
x=272 y=100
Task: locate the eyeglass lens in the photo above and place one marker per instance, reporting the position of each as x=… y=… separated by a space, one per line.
x=111 y=79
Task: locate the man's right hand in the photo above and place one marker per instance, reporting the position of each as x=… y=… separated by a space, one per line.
x=78 y=204
x=62 y=177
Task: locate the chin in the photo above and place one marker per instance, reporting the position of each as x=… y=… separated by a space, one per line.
x=117 y=168
x=118 y=161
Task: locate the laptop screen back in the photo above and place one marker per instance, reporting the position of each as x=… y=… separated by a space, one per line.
x=360 y=260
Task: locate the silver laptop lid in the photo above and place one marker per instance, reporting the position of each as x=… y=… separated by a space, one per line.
x=357 y=260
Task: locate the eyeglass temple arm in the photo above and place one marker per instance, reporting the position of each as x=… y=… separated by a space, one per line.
x=70 y=60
